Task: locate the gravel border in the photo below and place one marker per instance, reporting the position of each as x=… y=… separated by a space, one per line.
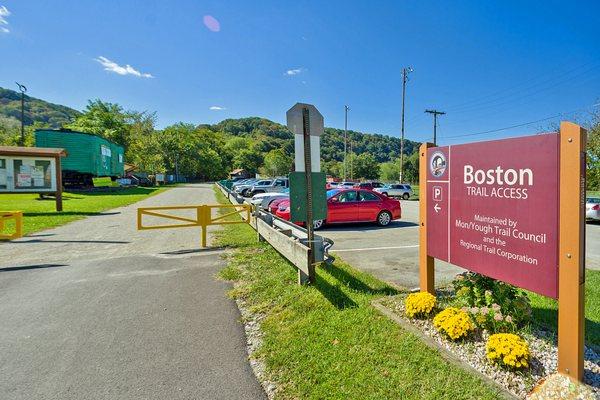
x=254 y=339
x=542 y=345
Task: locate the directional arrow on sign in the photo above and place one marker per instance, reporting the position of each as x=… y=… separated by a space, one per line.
x=437 y=208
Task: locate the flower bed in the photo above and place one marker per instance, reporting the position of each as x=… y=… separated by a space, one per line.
x=542 y=353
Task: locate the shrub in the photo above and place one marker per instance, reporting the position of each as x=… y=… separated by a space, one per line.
x=419 y=304
x=454 y=323
x=495 y=306
x=507 y=350
x=491 y=318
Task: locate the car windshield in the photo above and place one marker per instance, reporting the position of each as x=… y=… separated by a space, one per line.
x=593 y=200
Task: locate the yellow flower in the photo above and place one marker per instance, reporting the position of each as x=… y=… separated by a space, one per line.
x=508 y=350
x=419 y=304
x=454 y=323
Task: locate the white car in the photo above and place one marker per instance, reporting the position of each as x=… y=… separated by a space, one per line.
x=592 y=208
x=402 y=190
x=346 y=185
x=263 y=200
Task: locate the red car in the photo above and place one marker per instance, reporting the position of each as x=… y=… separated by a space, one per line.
x=274 y=205
x=353 y=205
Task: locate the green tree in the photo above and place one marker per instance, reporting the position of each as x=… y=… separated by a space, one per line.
x=108 y=120
x=249 y=159
x=364 y=166
x=146 y=153
x=389 y=171
x=277 y=163
x=333 y=168
x=593 y=155
x=211 y=165
x=411 y=168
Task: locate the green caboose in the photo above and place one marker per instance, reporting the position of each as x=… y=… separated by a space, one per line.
x=88 y=155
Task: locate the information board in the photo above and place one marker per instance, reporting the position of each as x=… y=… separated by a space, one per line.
x=493 y=209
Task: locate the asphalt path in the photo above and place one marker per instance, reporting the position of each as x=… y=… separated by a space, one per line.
x=392 y=253
x=98 y=310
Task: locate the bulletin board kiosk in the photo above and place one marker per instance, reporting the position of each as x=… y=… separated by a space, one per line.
x=31 y=170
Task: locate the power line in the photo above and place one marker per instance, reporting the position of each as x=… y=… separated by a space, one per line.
x=518 y=88
x=509 y=98
x=521 y=124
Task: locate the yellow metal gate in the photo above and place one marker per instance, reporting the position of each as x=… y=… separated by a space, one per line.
x=203 y=216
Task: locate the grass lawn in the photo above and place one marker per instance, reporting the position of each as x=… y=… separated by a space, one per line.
x=545 y=309
x=41 y=214
x=104 y=181
x=326 y=341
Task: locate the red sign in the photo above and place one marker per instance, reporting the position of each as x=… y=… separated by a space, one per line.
x=493 y=209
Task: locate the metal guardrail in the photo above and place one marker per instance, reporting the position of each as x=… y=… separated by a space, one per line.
x=202 y=217
x=287 y=238
x=17 y=217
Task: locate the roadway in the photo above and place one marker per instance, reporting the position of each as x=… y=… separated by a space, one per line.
x=392 y=253
x=97 y=310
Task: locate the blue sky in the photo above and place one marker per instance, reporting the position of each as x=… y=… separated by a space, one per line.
x=489 y=65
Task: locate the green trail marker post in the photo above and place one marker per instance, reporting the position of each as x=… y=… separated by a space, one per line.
x=307 y=185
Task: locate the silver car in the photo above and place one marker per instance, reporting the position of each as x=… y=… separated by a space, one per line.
x=402 y=190
x=243 y=188
x=592 y=208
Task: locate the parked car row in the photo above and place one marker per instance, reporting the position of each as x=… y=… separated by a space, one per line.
x=250 y=187
x=347 y=202
x=403 y=190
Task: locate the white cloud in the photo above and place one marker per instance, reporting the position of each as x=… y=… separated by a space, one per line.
x=112 y=66
x=4 y=13
x=295 y=71
x=216 y=108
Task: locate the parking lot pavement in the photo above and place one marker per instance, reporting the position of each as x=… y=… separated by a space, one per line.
x=392 y=253
x=97 y=310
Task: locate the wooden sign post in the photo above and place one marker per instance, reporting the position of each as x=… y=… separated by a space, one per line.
x=571 y=261
x=513 y=210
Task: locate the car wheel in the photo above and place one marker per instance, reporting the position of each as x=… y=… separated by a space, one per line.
x=405 y=196
x=384 y=218
x=318 y=224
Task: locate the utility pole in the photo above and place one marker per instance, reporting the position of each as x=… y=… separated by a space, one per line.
x=405 y=72
x=23 y=89
x=346 y=108
x=351 y=162
x=435 y=114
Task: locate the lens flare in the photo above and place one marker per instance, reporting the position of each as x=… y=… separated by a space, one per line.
x=211 y=23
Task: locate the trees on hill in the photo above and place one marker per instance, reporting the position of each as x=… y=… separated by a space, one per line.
x=210 y=151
